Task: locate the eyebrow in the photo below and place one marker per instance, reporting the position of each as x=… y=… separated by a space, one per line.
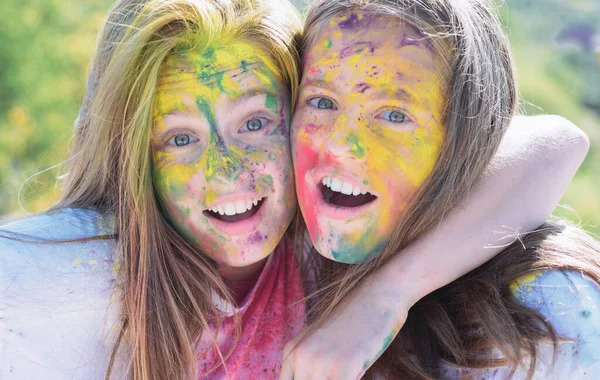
x=320 y=83
x=399 y=94
x=236 y=101
x=251 y=93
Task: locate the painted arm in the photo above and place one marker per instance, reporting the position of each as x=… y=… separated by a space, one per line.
x=525 y=180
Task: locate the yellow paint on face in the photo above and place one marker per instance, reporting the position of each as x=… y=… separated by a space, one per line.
x=209 y=96
x=196 y=81
x=368 y=67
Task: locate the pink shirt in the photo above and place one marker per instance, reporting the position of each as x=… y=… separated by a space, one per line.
x=272 y=314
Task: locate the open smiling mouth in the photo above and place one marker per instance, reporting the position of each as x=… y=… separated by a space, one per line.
x=232 y=212
x=344 y=194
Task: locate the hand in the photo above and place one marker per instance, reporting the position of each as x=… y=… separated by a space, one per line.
x=351 y=339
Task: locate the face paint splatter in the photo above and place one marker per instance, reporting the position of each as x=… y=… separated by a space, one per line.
x=367 y=131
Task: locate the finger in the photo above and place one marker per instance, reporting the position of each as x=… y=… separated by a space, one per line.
x=287 y=369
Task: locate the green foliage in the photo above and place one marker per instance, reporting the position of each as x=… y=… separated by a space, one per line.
x=46 y=50
x=47 y=46
x=559 y=78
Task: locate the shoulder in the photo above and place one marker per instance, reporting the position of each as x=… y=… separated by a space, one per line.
x=571 y=304
x=56 y=297
x=560 y=294
x=32 y=250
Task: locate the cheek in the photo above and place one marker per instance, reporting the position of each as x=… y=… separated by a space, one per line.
x=306 y=155
x=175 y=181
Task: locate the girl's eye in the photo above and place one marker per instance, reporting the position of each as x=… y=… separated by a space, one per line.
x=182 y=140
x=394 y=116
x=322 y=103
x=253 y=125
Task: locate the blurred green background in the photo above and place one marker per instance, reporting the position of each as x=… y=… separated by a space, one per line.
x=46 y=47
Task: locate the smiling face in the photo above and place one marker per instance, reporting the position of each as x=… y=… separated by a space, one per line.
x=222 y=165
x=367 y=131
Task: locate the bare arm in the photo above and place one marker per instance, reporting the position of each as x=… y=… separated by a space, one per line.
x=527 y=177
x=536 y=160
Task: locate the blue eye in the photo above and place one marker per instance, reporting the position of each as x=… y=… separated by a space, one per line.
x=394 y=116
x=253 y=125
x=322 y=103
x=182 y=140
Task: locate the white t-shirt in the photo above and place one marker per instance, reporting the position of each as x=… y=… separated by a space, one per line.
x=571 y=303
x=57 y=301
x=60 y=302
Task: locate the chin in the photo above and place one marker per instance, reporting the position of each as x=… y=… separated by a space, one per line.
x=250 y=256
x=349 y=254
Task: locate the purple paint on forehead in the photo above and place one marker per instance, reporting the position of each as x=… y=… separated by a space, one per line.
x=354 y=22
x=361 y=87
x=416 y=38
x=351 y=23
x=357 y=48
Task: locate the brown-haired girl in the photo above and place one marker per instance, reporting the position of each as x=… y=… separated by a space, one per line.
x=402 y=105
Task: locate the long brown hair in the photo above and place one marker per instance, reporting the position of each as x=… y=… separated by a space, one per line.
x=165 y=282
x=463 y=321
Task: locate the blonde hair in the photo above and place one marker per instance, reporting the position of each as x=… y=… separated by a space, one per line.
x=482 y=98
x=166 y=283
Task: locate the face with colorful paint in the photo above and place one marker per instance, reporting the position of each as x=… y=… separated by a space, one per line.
x=221 y=156
x=367 y=131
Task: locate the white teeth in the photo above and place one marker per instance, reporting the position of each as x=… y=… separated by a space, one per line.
x=336 y=185
x=346 y=188
x=342 y=187
x=239 y=207
x=229 y=209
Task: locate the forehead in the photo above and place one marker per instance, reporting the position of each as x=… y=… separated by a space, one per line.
x=209 y=64
x=229 y=69
x=370 y=43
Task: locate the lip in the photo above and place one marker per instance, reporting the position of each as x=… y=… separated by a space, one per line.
x=328 y=210
x=242 y=227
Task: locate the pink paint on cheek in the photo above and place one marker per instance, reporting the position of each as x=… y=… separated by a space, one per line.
x=312 y=128
x=307 y=158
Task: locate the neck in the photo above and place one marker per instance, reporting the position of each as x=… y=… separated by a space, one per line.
x=241 y=280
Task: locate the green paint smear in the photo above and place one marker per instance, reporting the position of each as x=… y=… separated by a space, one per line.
x=386 y=343
x=350 y=253
x=272 y=103
x=268 y=179
x=328 y=44
x=276 y=131
x=357 y=149
x=220 y=160
x=355 y=255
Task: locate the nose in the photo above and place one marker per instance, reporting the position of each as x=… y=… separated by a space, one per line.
x=223 y=164
x=344 y=142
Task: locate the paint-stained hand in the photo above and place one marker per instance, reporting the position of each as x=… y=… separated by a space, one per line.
x=350 y=339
